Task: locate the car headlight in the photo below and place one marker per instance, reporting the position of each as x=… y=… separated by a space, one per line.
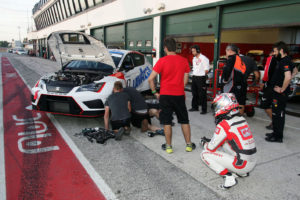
x=40 y=84
x=93 y=87
x=295 y=80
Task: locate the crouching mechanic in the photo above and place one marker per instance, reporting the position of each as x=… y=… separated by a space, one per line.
x=140 y=115
x=118 y=104
x=234 y=135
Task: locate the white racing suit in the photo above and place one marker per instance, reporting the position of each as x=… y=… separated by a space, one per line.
x=235 y=137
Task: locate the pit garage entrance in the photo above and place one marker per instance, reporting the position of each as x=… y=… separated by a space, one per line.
x=136 y=36
x=254 y=25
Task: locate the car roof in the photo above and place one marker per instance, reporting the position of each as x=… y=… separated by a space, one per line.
x=123 y=51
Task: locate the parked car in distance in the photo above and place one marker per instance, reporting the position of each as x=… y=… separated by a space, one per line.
x=21 y=51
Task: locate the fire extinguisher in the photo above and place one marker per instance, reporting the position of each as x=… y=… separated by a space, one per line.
x=153 y=53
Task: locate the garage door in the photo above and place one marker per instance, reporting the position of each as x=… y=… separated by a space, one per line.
x=261 y=14
x=200 y=22
x=115 y=36
x=140 y=37
x=98 y=33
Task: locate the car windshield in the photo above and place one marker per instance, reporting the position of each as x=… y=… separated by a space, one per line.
x=116 y=57
x=89 y=65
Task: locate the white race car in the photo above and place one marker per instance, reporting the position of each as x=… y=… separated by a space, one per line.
x=88 y=74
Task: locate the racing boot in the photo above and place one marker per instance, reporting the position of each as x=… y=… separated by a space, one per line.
x=241 y=175
x=229 y=181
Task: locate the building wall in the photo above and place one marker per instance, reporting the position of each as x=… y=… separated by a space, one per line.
x=185 y=18
x=112 y=12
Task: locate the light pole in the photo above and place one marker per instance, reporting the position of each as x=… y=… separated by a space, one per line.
x=19 y=33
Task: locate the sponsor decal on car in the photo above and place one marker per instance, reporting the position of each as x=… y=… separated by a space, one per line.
x=144 y=74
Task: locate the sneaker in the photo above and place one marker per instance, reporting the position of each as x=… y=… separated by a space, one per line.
x=160 y=132
x=203 y=112
x=273 y=139
x=127 y=131
x=167 y=148
x=269 y=127
x=190 y=147
x=229 y=181
x=119 y=134
x=269 y=134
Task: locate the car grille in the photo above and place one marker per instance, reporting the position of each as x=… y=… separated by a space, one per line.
x=59 y=104
x=94 y=104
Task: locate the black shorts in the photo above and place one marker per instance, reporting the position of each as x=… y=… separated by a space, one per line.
x=170 y=104
x=137 y=118
x=152 y=104
x=240 y=93
x=115 y=125
x=266 y=99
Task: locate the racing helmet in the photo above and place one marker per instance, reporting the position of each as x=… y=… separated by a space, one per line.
x=224 y=104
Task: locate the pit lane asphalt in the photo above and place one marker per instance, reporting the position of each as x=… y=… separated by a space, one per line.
x=136 y=167
x=130 y=168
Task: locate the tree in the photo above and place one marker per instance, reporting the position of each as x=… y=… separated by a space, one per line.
x=3 y=44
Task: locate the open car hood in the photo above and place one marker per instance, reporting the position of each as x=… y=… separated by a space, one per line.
x=71 y=45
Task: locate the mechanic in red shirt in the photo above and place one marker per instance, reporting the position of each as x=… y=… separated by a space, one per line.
x=173 y=70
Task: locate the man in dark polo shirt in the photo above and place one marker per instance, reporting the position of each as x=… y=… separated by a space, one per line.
x=118 y=104
x=173 y=70
x=281 y=88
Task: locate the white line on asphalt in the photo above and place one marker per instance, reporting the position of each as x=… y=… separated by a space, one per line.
x=103 y=187
x=2 y=159
x=292 y=127
x=98 y=180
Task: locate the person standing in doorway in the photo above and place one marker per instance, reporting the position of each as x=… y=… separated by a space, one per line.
x=199 y=89
x=174 y=72
x=281 y=88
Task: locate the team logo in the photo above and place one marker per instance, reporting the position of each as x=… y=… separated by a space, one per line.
x=245 y=132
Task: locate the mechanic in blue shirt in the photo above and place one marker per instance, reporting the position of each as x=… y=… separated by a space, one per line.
x=118 y=103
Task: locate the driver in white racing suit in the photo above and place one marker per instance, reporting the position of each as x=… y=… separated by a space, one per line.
x=234 y=136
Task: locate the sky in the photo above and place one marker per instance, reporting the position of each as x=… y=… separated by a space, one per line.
x=14 y=14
